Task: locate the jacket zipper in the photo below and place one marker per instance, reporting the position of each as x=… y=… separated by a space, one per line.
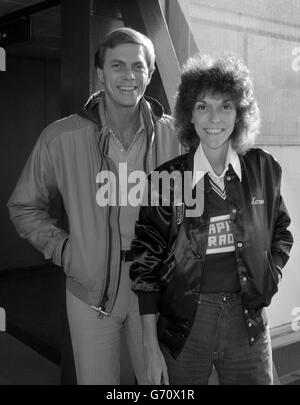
x=147 y=168
x=102 y=306
x=119 y=277
x=105 y=298
x=101 y=309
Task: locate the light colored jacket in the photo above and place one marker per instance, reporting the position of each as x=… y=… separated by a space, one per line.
x=67 y=157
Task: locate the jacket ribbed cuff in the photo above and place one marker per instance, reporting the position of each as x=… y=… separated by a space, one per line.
x=148 y=303
x=58 y=251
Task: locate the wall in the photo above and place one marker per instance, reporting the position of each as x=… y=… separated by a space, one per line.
x=29 y=100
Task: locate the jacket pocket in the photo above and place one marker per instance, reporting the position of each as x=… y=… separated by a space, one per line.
x=270 y=278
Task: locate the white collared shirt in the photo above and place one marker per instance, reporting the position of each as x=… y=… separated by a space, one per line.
x=202 y=166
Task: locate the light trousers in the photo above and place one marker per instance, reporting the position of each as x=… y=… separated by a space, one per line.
x=97 y=341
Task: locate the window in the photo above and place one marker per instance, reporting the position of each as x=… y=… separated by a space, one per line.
x=266 y=34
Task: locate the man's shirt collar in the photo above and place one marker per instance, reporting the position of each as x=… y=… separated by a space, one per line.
x=202 y=165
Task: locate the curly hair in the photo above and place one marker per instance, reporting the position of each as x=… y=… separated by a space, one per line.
x=225 y=75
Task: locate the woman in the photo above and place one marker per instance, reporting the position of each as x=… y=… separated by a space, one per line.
x=210 y=275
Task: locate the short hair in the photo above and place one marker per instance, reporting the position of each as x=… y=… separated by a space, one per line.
x=125 y=36
x=225 y=74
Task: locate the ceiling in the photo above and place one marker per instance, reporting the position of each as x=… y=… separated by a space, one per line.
x=46 y=31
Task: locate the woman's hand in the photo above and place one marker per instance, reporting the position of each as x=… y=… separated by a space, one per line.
x=156 y=368
x=155 y=363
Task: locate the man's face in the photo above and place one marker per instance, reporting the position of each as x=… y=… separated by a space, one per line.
x=125 y=75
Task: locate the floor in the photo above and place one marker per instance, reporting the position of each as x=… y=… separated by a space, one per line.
x=20 y=365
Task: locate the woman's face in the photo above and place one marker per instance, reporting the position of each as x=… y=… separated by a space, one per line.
x=214 y=117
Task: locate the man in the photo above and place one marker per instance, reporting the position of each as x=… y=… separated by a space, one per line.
x=117 y=126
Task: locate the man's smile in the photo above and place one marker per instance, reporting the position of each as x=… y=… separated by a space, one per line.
x=127 y=89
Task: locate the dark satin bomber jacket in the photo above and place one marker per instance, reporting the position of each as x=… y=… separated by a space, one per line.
x=169 y=248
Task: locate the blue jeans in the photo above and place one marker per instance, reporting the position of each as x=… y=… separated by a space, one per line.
x=219 y=338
